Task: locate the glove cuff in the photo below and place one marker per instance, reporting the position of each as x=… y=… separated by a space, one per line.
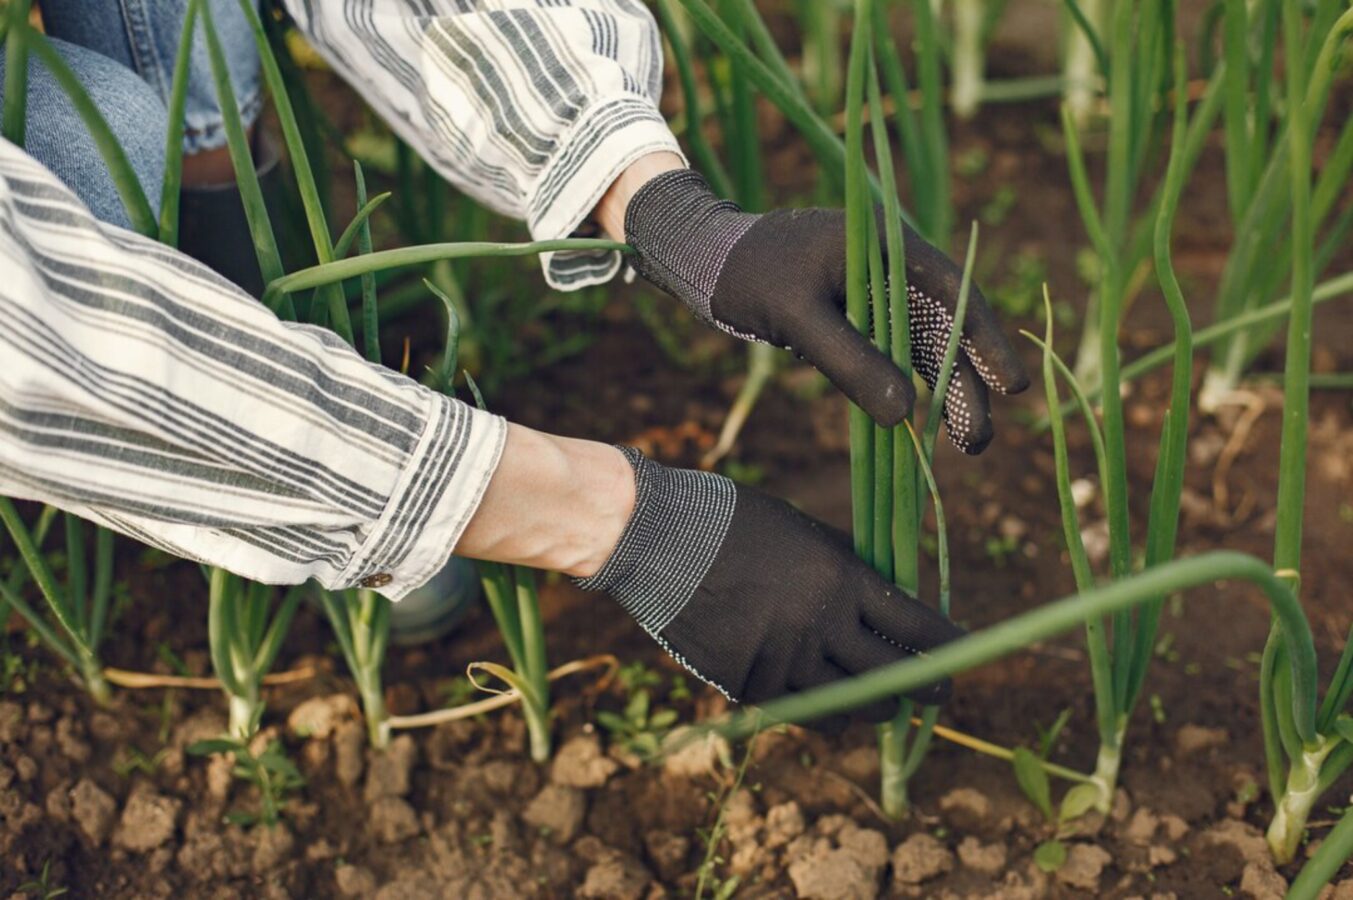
x=681 y=234
x=679 y=523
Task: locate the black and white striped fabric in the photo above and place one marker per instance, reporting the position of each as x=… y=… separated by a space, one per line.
x=141 y=390
x=532 y=107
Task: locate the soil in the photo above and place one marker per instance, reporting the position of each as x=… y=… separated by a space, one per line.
x=111 y=801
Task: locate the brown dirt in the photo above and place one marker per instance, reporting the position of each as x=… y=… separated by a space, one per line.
x=462 y=812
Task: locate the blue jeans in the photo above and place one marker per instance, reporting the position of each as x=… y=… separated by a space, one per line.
x=123 y=52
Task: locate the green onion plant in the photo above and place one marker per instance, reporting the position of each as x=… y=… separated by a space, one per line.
x=1303 y=761
x=73 y=625
x=1120 y=651
x=1258 y=123
x=245 y=629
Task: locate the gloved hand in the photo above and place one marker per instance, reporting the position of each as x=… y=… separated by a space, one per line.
x=755 y=597
x=781 y=278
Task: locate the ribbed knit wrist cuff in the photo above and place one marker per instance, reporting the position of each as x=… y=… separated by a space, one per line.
x=681 y=234
x=679 y=522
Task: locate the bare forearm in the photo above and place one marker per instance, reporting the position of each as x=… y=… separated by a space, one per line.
x=554 y=503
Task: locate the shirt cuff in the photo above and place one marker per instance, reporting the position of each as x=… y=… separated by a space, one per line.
x=605 y=140
x=433 y=501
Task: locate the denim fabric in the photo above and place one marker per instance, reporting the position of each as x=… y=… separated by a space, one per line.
x=56 y=136
x=144 y=35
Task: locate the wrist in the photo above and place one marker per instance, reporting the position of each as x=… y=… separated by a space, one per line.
x=610 y=212
x=553 y=503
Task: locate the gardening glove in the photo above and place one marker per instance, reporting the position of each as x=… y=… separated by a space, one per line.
x=780 y=278
x=756 y=598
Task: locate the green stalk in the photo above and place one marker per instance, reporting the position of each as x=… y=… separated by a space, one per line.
x=1296 y=392
x=246 y=175
x=934 y=136
x=371 y=335
x=969 y=60
x=939 y=395
x=300 y=163
x=15 y=113
x=701 y=151
x=1332 y=289
x=361 y=622
x=1325 y=863
x=173 y=140
x=1056 y=618
x=1101 y=663
x=352 y=267
x=535 y=669
x=1168 y=487
x=858 y=210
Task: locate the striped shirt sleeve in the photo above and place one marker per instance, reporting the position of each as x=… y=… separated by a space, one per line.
x=533 y=107
x=141 y=390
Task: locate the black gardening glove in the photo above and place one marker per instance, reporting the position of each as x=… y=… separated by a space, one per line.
x=755 y=597
x=781 y=278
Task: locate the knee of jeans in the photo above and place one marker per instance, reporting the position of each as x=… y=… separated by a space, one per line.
x=59 y=138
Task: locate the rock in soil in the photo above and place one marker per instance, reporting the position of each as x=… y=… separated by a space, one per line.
x=147 y=820
x=392 y=820
x=616 y=877
x=833 y=875
x=389 y=771
x=272 y=846
x=783 y=823
x=967 y=809
x=581 y=764
x=317 y=717
x=1262 y=883
x=1192 y=739
x=868 y=847
x=349 y=744
x=987 y=859
x=11 y=722
x=668 y=851
x=93 y=810
x=694 y=757
x=1084 y=865
x=557 y=810
x=355 y=881
x=920 y=858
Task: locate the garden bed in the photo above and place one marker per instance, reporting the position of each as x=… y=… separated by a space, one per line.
x=108 y=803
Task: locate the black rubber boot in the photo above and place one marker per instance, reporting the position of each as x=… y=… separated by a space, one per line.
x=213 y=228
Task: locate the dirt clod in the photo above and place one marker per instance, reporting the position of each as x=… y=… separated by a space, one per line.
x=389 y=770
x=784 y=822
x=147 y=820
x=349 y=747
x=1083 y=867
x=317 y=717
x=273 y=846
x=355 y=881
x=1262 y=883
x=581 y=764
x=393 y=820
x=988 y=859
x=919 y=858
x=11 y=722
x=835 y=875
x=93 y=809
x=966 y=808
x=615 y=877
x=1190 y=739
x=558 y=810
x=668 y=852
x=693 y=758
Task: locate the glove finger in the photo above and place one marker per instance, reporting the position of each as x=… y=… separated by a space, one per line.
x=825 y=672
x=913 y=627
x=934 y=281
x=826 y=339
x=967 y=408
